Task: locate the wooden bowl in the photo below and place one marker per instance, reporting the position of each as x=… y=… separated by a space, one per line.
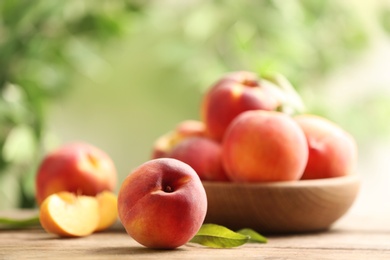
x=281 y=207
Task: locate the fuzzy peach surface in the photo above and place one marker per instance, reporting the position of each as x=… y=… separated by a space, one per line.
x=162 y=203
x=264 y=146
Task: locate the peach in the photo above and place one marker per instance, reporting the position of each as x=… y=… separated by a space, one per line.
x=108 y=210
x=332 y=150
x=68 y=215
x=264 y=146
x=162 y=203
x=184 y=129
x=77 y=167
x=203 y=155
x=233 y=94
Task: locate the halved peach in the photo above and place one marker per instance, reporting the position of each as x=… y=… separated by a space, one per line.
x=108 y=210
x=68 y=215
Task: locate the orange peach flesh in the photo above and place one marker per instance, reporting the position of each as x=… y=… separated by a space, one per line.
x=108 y=211
x=68 y=215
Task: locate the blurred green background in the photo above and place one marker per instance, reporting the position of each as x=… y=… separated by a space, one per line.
x=119 y=73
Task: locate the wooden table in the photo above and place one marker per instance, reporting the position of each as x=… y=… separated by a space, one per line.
x=352 y=237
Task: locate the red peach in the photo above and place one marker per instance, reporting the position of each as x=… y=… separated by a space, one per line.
x=233 y=94
x=332 y=150
x=162 y=203
x=184 y=129
x=79 y=168
x=203 y=155
x=264 y=146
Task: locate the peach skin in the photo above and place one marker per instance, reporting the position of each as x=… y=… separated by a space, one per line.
x=162 y=203
x=233 y=94
x=203 y=155
x=187 y=128
x=264 y=146
x=332 y=150
x=77 y=167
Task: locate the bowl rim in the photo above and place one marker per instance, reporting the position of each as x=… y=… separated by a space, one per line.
x=340 y=180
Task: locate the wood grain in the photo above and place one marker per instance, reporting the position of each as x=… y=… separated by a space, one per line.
x=351 y=237
x=285 y=207
x=358 y=234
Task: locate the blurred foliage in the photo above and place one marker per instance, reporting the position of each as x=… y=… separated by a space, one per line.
x=376 y=109
x=301 y=39
x=44 y=44
x=384 y=17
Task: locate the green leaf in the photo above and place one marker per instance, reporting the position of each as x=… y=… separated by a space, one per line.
x=19 y=223
x=292 y=103
x=217 y=236
x=254 y=237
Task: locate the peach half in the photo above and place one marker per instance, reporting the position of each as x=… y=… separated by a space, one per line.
x=68 y=215
x=108 y=210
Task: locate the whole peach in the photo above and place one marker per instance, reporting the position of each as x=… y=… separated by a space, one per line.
x=332 y=150
x=233 y=94
x=162 y=203
x=264 y=146
x=182 y=130
x=203 y=155
x=77 y=167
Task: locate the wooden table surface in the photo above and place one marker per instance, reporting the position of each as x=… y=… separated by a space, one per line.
x=354 y=236
x=362 y=233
